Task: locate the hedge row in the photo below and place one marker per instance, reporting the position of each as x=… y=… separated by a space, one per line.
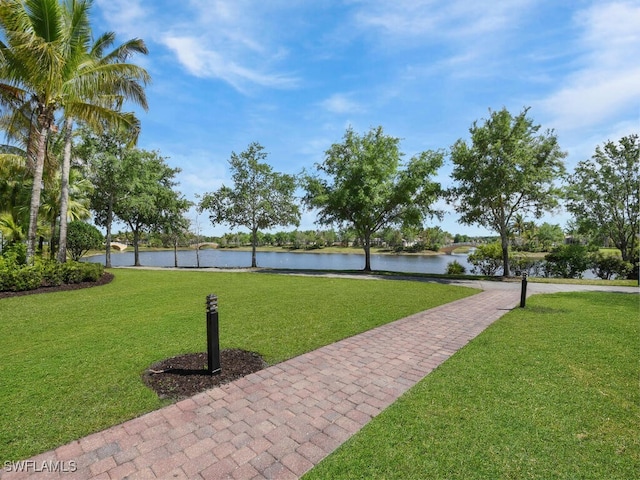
x=16 y=276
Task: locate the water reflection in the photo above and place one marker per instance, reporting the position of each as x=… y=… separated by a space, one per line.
x=311 y=261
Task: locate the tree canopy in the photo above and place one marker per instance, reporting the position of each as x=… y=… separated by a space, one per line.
x=83 y=237
x=148 y=199
x=47 y=66
x=508 y=168
x=603 y=193
x=260 y=198
x=361 y=184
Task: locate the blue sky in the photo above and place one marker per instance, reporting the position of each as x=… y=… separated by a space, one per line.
x=294 y=74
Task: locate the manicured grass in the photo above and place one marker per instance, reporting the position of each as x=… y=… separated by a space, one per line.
x=71 y=361
x=586 y=281
x=549 y=391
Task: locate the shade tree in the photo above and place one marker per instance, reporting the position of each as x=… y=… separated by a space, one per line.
x=509 y=167
x=260 y=199
x=362 y=184
x=603 y=194
x=148 y=201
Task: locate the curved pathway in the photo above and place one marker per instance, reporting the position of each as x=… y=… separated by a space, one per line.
x=280 y=422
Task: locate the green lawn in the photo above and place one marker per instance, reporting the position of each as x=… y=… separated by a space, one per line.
x=70 y=362
x=547 y=392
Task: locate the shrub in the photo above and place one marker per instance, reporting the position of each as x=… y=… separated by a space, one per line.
x=607 y=266
x=81 y=238
x=567 y=261
x=487 y=259
x=92 y=271
x=18 y=278
x=15 y=254
x=45 y=274
x=77 y=272
x=455 y=268
x=524 y=264
x=51 y=274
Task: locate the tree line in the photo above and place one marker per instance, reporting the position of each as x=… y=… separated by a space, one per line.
x=70 y=153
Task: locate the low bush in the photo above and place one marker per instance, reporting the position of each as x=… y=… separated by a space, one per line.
x=16 y=277
x=487 y=259
x=455 y=268
x=567 y=261
x=608 y=266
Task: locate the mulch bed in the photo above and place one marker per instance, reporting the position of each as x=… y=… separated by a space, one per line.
x=182 y=376
x=185 y=375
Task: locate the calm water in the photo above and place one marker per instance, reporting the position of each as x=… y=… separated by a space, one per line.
x=312 y=261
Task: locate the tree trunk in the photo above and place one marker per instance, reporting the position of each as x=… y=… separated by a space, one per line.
x=52 y=238
x=505 y=255
x=254 y=241
x=624 y=251
x=64 y=190
x=136 y=252
x=175 y=252
x=107 y=255
x=367 y=252
x=36 y=190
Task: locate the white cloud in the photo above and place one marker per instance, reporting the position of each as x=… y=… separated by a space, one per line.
x=128 y=16
x=225 y=40
x=341 y=104
x=435 y=19
x=591 y=99
x=607 y=82
x=205 y=62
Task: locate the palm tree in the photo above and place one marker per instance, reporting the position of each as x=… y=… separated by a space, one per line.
x=78 y=202
x=13 y=194
x=32 y=62
x=518 y=226
x=101 y=83
x=45 y=67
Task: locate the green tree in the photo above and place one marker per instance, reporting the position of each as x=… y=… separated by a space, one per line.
x=549 y=236
x=434 y=238
x=606 y=266
x=15 y=188
x=82 y=238
x=567 y=261
x=103 y=154
x=508 y=168
x=361 y=185
x=392 y=237
x=148 y=199
x=260 y=199
x=174 y=223
x=487 y=259
x=41 y=53
x=107 y=80
x=77 y=203
x=603 y=194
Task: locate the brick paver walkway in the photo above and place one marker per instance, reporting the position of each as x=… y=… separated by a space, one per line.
x=280 y=422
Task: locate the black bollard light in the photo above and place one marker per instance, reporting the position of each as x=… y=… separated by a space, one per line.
x=523 y=291
x=213 y=338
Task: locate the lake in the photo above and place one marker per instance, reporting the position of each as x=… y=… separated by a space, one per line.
x=301 y=261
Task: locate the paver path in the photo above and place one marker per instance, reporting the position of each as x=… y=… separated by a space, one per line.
x=280 y=422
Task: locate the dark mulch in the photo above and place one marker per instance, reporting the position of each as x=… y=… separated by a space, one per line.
x=185 y=375
x=106 y=278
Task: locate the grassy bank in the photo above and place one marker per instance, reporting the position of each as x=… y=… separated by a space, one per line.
x=71 y=361
x=550 y=391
